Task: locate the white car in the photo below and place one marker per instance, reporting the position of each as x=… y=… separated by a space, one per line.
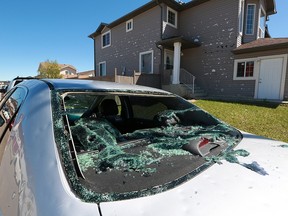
x=82 y=147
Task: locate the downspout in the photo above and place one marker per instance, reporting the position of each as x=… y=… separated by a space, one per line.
x=160 y=47
x=95 y=63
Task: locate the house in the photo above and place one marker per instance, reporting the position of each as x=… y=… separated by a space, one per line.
x=85 y=74
x=66 y=70
x=221 y=46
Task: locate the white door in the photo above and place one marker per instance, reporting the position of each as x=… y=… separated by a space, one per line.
x=269 y=86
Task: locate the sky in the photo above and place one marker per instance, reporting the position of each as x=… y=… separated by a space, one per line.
x=34 y=31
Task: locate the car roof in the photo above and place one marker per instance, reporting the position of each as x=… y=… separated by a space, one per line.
x=78 y=84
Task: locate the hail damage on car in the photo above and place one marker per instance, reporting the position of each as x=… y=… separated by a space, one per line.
x=150 y=134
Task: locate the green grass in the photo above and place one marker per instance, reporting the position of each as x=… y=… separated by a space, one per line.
x=261 y=118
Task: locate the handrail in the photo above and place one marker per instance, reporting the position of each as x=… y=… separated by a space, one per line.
x=187 y=79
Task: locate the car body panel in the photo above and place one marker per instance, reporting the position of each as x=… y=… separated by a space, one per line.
x=34 y=181
x=224 y=189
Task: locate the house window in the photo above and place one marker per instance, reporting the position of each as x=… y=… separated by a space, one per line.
x=172 y=17
x=241 y=16
x=146 y=62
x=262 y=24
x=244 y=69
x=129 y=25
x=250 y=19
x=102 y=68
x=106 y=39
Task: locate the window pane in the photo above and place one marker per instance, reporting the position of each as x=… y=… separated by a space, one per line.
x=102 y=69
x=9 y=109
x=146 y=63
x=249 y=69
x=240 y=69
x=146 y=107
x=262 y=24
x=250 y=19
x=171 y=18
x=106 y=39
x=129 y=25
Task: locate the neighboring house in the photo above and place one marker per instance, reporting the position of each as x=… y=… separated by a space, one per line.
x=85 y=74
x=66 y=70
x=222 y=45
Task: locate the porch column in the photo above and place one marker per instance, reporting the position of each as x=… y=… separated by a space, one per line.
x=176 y=66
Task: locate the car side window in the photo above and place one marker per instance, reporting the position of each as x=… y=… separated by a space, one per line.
x=146 y=108
x=8 y=110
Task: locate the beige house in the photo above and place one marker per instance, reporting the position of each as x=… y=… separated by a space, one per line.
x=66 y=70
x=85 y=74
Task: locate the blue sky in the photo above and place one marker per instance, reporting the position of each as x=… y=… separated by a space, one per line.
x=33 y=31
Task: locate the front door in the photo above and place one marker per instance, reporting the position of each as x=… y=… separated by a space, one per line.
x=169 y=59
x=270 y=75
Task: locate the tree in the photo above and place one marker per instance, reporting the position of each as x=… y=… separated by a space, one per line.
x=49 y=69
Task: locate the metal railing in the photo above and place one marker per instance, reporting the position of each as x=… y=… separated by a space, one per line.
x=187 y=79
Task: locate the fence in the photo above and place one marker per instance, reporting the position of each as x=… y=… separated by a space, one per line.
x=152 y=80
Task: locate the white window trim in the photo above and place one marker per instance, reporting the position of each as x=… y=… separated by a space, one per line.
x=253 y=24
x=241 y=16
x=259 y=22
x=132 y=25
x=152 y=58
x=176 y=17
x=108 y=32
x=100 y=63
x=255 y=71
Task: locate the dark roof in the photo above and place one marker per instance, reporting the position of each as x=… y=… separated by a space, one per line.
x=262 y=44
x=186 y=43
x=271 y=7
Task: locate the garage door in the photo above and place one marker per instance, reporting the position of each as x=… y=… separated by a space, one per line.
x=270 y=75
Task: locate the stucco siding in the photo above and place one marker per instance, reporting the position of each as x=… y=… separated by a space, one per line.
x=123 y=54
x=215 y=24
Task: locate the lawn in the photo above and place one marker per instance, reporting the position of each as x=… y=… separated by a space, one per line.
x=261 y=118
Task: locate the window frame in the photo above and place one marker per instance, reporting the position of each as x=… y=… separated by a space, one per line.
x=236 y=62
x=9 y=122
x=105 y=72
x=176 y=17
x=102 y=39
x=253 y=20
x=127 y=25
x=140 y=61
x=261 y=32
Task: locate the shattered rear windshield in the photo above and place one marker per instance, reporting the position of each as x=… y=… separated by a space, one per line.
x=121 y=145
